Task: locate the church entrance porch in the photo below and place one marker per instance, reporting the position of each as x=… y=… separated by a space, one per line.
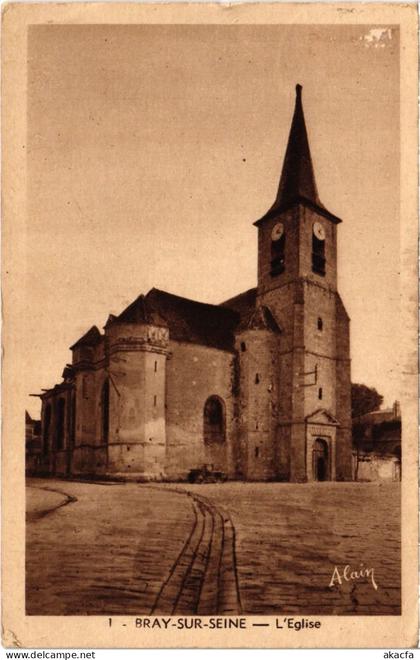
x=321 y=430
x=320 y=455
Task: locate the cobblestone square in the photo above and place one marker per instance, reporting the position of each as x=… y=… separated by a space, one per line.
x=255 y=548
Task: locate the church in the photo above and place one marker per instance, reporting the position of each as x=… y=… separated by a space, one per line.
x=257 y=386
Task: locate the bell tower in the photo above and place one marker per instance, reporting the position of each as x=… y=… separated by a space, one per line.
x=297 y=281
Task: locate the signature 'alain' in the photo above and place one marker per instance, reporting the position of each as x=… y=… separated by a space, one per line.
x=350 y=575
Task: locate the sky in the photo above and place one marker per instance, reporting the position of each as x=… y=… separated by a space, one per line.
x=152 y=149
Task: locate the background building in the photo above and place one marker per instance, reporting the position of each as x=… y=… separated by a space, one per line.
x=377 y=445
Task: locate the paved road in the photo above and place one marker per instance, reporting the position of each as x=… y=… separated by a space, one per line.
x=42 y=501
x=226 y=548
x=104 y=549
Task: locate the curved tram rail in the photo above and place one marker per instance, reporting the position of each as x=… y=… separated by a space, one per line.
x=203 y=580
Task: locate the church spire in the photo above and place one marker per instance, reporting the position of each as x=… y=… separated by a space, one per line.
x=297 y=182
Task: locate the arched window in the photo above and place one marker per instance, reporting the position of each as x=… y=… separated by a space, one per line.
x=214 y=420
x=320 y=323
x=47 y=424
x=59 y=436
x=105 y=411
x=73 y=420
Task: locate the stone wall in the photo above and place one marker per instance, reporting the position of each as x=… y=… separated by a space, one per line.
x=137 y=378
x=343 y=393
x=372 y=467
x=258 y=403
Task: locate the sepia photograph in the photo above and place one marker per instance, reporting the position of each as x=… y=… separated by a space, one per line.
x=214 y=408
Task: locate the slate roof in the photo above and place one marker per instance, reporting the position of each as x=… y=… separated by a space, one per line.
x=298 y=177
x=141 y=310
x=261 y=319
x=244 y=303
x=90 y=338
x=252 y=315
x=196 y=322
x=187 y=320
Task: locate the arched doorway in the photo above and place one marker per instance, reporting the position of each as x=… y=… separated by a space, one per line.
x=59 y=437
x=214 y=431
x=320 y=460
x=105 y=411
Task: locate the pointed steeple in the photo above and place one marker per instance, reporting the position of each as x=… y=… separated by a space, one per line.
x=297 y=182
x=297 y=178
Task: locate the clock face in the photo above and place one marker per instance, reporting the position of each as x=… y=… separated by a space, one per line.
x=319 y=231
x=277 y=232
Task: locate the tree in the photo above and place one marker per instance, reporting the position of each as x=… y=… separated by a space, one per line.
x=364 y=399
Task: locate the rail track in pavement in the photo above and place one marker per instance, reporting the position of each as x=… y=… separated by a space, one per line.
x=203 y=580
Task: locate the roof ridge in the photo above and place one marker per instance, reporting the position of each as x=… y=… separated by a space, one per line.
x=189 y=300
x=238 y=295
x=90 y=338
x=141 y=310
